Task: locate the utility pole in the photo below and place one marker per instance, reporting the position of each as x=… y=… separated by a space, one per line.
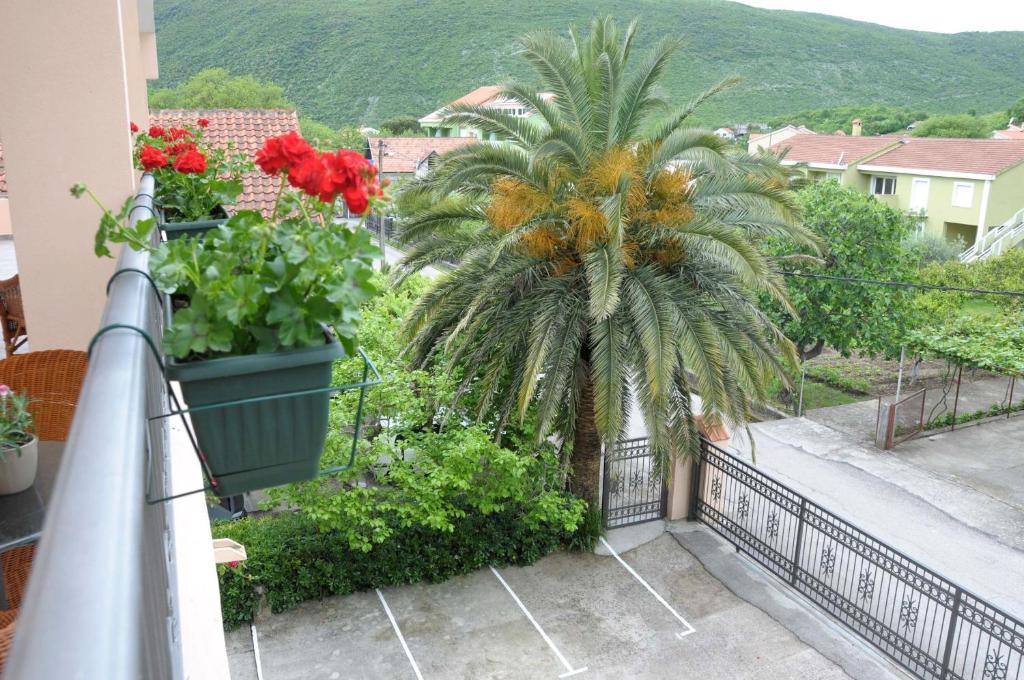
x=380 y=218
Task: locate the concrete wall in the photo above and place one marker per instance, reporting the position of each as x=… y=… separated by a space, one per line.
x=1006 y=196
x=72 y=79
x=5 y=217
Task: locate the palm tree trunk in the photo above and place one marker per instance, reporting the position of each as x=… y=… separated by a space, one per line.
x=585 y=478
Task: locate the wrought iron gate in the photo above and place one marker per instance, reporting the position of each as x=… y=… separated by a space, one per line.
x=634 y=486
x=929 y=625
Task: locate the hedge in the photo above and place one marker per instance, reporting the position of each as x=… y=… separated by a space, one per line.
x=290 y=561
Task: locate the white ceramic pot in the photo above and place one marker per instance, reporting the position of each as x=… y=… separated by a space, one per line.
x=18 y=469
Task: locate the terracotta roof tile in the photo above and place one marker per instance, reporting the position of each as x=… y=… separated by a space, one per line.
x=3 y=172
x=975 y=156
x=1009 y=133
x=831 y=149
x=402 y=154
x=247 y=128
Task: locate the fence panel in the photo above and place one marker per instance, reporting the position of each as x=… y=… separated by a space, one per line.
x=634 y=488
x=927 y=624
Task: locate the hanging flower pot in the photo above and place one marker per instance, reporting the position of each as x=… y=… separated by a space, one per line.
x=266 y=439
x=259 y=309
x=194 y=181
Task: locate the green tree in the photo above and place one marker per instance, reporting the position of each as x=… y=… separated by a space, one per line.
x=216 y=88
x=863 y=239
x=325 y=137
x=877 y=120
x=1017 y=111
x=401 y=126
x=954 y=125
x=607 y=252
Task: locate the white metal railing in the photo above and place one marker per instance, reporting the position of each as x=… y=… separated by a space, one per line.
x=997 y=240
x=100 y=601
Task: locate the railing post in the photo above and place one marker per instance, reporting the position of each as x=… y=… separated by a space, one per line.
x=799 y=541
x=697 y=470
x=954 y=618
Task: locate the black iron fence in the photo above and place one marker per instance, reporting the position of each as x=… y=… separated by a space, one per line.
x=634 y=486
x=930 y=626
x=376 y=222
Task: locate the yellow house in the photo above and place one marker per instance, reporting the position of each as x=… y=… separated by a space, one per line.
x=958 y=187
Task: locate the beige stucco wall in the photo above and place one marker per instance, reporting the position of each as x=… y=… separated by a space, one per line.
x=71 y=80
x=5 y=217
x=940 y=210
x=1006 y=196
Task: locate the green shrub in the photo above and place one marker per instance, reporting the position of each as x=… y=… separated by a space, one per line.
x=930 y=248
x=1005 y=272
x=291 y=561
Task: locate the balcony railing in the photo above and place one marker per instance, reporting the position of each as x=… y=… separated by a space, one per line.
x=100 y=601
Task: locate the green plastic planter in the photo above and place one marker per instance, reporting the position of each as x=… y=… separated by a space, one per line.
x=259 y=444
x=173 y=230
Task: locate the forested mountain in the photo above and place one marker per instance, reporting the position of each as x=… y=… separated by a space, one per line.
x=351 y=61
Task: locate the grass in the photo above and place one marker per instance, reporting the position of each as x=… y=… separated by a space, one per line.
x=816 y=395
x=980 y=308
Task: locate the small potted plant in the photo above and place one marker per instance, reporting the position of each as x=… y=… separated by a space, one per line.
x=261 y=307
x=195 y=182
x=18 y=446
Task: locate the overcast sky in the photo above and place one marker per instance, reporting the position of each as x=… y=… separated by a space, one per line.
x=945 y=16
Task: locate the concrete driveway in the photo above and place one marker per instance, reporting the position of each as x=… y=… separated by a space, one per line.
x=948 y=501
x=569 y=615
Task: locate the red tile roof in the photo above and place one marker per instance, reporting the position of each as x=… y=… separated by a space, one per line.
x=247 y=128
x=402 y=154
x=969 y=156
x=831 y=149
x=1010 y=132
x=3 y=172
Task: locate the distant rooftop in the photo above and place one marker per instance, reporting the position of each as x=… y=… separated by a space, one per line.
x=831 y=149
x=969 y=156
x=481 y=96
x=404 y=154
x=247 y=128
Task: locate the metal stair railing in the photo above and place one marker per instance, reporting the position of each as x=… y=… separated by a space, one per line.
x=997 y=240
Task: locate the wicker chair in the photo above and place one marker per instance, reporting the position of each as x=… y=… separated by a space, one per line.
x=12 y=315
x=52 y=379
x=16 y=565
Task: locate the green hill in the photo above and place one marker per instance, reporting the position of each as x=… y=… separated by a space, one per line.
x=354 y=61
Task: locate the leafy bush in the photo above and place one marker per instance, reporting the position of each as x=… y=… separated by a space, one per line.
x=1004 y=272
x=430 y=496
x=956 y=125
x=291 y=560
x=930 y=248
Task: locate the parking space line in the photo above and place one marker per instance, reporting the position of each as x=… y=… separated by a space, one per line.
x=398 y=632
x=652 y=591
x=569 y=670
x=256 y=652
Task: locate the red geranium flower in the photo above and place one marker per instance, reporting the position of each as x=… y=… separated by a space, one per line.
x=152 y=158
x=176 y=133
x=282 y=152
x=180 y=148
x=190 y=162
x=156 y=131
x=134 y=127
x=311 y=175
x=356 y=199
x=203 y=122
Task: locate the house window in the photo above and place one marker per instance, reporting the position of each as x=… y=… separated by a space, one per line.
x=883 y=186
x=963 y=195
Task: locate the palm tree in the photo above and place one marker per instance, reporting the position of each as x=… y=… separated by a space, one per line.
x=607 y=252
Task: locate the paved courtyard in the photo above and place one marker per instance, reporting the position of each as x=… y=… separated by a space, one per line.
x=569 y=615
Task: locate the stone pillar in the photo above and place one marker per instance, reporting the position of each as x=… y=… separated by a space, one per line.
x=71 y=81
x=682 y=470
